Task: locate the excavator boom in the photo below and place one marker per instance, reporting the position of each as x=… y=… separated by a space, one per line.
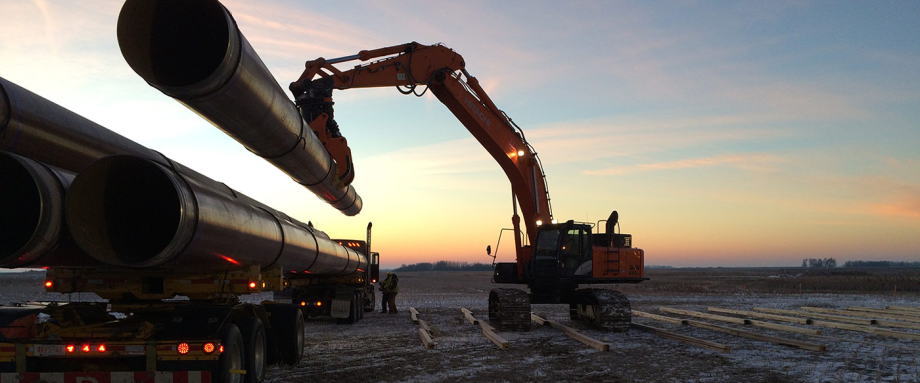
x=441 y=70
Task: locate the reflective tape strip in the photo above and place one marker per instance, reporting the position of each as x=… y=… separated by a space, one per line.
x=108 y=377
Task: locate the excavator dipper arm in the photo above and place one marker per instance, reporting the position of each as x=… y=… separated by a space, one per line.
x=441 y=70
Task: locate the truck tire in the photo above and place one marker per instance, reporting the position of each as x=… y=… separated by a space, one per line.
x=231 y=359
x=287 y=329
x=256 y=353
x=369 y=301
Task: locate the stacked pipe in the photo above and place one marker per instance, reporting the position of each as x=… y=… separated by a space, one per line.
x=130 y=206
x=194 y=52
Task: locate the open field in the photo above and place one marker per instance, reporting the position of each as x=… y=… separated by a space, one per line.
x=386 y=347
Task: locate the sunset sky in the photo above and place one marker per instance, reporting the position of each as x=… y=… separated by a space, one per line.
x=725 y=133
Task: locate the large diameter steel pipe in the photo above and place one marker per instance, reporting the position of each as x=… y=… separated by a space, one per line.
x=32 y=230
x=193 y=51
x=37 y=128
x=129 y=211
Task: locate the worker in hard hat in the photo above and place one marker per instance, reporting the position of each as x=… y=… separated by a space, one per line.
x=390 y=287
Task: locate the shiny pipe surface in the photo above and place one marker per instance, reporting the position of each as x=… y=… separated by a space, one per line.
x=37 y=128
x=194 y=52
x=32 y=230
x=134 y=212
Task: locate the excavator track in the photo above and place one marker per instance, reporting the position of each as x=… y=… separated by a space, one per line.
x=509 y=309
x=602 y=308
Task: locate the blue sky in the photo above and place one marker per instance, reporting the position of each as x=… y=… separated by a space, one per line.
x=726 y=133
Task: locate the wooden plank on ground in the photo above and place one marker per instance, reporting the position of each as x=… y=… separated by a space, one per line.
x=660 y=318
x=814 y=315
x=760 y=337
x=468 y=315
x=876 y=316
x=697 y=314
x=487 y=330
x=879 y=322
x=683 y=338
x=854 y=327
x=824 y=313
x=753 y=314
x=431 y=330
x=427 y=341
x=905 y=308
x=574 y=334
x=495 y=338
x=901 y=316
x=736 y=332
x=755 y=323
x=413 y=314
x=536 y=319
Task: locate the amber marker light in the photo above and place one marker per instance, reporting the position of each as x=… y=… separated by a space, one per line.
x=303 y=303
x=319 y=303
x=208 y=347
x=182 y=348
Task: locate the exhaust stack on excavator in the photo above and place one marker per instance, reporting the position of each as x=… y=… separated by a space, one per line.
x=194 y=52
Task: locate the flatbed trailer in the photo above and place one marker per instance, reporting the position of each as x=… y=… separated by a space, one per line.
x=168 y=326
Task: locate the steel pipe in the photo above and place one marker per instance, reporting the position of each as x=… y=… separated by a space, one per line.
x=37 y=128
x=32 y=230
x=134 y=212
x=194 y=52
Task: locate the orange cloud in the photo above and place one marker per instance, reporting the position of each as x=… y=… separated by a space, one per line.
x=751 y=162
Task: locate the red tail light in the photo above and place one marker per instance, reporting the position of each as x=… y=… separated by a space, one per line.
x=208 y=348
x=220 y=349
x=49 y=284
x=182 y=348
x=252 y=285
x=101 y=348
x=70 y=348
x=85 y=348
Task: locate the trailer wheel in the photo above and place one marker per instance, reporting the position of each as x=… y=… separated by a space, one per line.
x=231 y=360
x=256 y=348
x=359 y=305
x=370 y=300
x=287 y=325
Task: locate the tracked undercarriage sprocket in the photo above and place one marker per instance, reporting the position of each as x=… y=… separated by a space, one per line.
x=606 y=309
x=509 y=309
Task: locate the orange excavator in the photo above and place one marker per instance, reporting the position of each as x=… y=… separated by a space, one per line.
x=552 y=258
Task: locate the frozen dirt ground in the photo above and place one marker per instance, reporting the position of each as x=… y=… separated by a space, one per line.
x=385 y=347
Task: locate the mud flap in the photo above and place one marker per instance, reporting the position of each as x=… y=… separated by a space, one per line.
x=341 y=304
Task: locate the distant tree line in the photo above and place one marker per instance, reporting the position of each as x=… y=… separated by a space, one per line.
x=445 y=266
x=880 y=264
x=819 y=263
